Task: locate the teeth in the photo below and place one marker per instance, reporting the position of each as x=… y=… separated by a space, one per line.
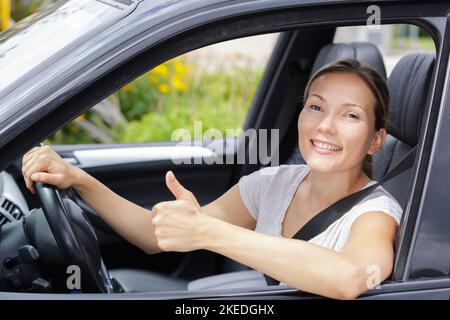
x=326 y=146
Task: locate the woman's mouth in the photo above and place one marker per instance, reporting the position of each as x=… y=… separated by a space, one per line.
x=324 y=148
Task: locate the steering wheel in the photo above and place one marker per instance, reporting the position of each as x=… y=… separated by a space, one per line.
x=75 y=236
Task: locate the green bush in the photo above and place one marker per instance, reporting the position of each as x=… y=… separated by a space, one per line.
x=171 y=96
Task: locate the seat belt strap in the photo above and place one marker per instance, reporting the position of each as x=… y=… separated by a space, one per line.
x=321 y=221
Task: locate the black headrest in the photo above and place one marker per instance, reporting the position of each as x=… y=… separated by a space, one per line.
x=408 y=87
x=364 y=52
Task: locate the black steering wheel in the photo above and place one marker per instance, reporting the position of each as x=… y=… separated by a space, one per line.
x=75 y=236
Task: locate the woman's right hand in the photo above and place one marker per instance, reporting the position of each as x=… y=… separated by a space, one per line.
x=43 y=164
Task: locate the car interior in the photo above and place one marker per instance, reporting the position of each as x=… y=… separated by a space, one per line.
x=133 y=270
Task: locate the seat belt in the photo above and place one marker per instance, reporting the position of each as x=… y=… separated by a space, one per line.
x=321 y=221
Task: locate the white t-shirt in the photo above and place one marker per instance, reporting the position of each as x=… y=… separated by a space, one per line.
x=267 y=194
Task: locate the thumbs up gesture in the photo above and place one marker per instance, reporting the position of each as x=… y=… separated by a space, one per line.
x=179 y=225
x=180 y=192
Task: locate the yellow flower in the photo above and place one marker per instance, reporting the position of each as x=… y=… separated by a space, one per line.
x=178 y=84
x=164 y=88
x=152 y=79
x=128 y=88
x=73 y=128
x=189 y=67
x=179 y=67
x=161 y=70
x=81 y=117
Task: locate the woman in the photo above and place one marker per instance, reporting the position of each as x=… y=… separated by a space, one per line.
x=342 y=124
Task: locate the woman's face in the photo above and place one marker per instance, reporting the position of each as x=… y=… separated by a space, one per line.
x=337 y=124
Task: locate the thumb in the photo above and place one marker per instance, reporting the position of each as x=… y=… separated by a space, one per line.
x=180 y=192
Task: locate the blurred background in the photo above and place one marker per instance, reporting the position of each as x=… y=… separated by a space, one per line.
x=215 y=84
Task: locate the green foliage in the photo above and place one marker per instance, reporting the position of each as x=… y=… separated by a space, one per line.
x=169 y=97
x=23 y=8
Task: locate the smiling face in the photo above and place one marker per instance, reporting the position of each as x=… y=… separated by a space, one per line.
x=337 y=124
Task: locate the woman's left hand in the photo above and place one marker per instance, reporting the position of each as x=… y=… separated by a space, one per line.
x=180 y=225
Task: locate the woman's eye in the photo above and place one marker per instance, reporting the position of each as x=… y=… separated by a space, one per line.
x=315 y=107
x=352 y=115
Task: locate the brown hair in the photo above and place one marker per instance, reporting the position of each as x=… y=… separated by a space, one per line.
x=375 y=83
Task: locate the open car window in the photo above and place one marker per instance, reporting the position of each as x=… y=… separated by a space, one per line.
x=208 y=88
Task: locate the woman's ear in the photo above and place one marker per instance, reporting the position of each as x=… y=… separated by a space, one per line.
x=378 y=141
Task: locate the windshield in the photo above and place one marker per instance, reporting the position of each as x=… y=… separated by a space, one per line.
x=43 y=35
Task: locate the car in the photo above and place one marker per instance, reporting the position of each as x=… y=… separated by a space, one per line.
x=59 y=63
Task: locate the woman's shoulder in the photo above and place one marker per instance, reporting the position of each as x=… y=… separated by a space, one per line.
x=272 y=177
x=283 y=170
x=379 y=200
x=269 y=185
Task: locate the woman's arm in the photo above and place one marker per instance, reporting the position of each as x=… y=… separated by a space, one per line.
x=132 y=222
x=181 y=226
x=365 y=261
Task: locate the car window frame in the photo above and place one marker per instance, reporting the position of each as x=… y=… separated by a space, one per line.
x=431 y=229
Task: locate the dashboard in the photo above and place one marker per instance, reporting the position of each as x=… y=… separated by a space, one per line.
x=13 y=205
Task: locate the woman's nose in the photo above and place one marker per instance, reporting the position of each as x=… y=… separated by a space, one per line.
x=327 y=125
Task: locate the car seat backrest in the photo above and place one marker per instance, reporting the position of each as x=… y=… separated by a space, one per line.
x=365 y=52
x=408 y=88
